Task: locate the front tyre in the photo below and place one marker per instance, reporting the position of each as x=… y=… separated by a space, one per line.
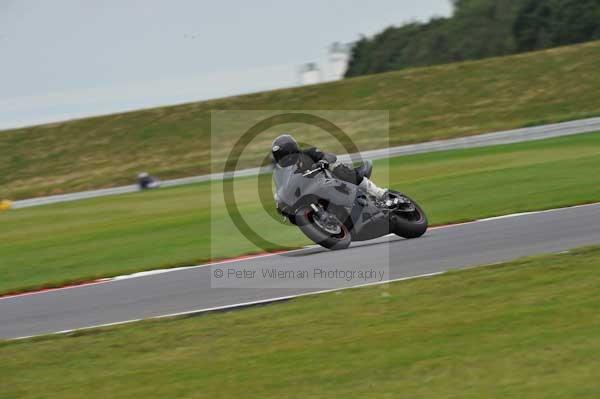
x=328 y=232
x=411 y=224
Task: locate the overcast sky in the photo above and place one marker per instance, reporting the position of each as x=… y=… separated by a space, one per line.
x=63 y=59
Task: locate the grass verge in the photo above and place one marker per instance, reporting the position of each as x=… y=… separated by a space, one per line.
x=67 y=242
x=424 y=103
x=524 y=329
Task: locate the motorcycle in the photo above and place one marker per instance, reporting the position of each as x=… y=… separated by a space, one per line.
x=333 y=212
x=147 y=182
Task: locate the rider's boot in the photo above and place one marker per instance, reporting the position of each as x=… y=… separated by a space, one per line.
x=372 y=189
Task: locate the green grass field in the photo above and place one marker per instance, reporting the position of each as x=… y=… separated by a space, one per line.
x=525 y=329
x=424 y=104
x=107 y=236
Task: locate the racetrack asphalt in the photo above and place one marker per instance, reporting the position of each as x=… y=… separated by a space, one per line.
x=197 y=289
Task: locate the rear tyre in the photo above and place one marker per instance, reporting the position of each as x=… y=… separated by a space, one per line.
x=409 y=224
x=334 y=235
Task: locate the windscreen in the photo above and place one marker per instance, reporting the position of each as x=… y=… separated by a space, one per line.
x=284 y=177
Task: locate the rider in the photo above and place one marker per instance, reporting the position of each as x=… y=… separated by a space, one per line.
x=286 y=152
x=145 y=181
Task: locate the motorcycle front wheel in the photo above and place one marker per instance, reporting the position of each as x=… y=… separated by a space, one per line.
x=331 y=234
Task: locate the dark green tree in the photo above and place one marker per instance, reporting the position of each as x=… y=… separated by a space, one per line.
x=549 y=23
x=478 y=29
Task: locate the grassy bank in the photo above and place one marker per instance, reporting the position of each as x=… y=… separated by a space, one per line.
x=169 y=227
x=525 y=329
x=424 y=104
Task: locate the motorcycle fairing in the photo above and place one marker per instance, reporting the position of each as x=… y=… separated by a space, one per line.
x=294 y=190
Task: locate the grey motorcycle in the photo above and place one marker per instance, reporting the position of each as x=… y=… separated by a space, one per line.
x=333 y=212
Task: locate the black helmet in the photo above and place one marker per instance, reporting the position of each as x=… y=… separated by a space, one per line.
x=283 y=147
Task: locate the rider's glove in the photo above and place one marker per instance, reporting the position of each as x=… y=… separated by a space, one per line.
x=322 y=164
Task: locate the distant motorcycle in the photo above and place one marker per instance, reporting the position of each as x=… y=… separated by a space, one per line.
x=147 y=182
x=333 y=212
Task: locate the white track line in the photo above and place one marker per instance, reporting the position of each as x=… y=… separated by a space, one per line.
x=252 y=257
x=276 y=299
x=226 y=307
x=45 y=290
x=145 y=274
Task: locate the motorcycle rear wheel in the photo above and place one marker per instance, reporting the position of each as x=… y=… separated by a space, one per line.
x=327 y=239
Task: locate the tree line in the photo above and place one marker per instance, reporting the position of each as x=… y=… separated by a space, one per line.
x=478 y=29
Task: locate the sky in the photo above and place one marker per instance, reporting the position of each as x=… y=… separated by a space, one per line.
x=65 y=59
